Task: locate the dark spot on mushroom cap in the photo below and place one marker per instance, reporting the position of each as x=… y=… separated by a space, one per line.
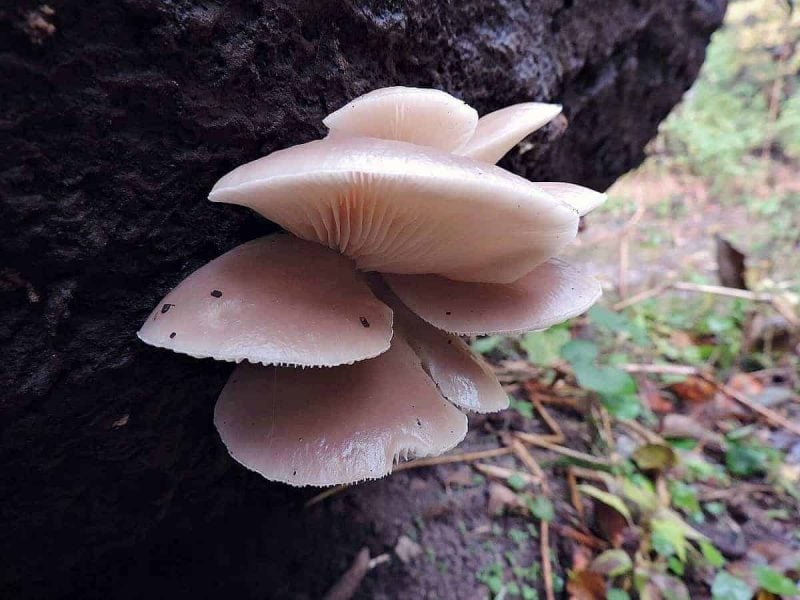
x=172 y=335
x=294 y=472
x=216 y=294
x=449 y=342
x=364 y=322
x=448 y=313
x=166 y=307
x=419 y=422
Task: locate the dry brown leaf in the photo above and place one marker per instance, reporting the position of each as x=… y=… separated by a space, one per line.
x=694 y=390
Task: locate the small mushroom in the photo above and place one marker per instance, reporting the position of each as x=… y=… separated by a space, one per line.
x=499 y=131
x=333 y=426
x=420 y=116
x=396 y=207
x=278 y=300
x=551 y=293
x=464 y=378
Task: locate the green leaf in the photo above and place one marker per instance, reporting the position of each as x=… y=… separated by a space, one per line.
x=654 y=457
x=612 y=563
x=485 y=345
x=711 y=554
x=774 y=582
x=669 y=535
x=541 y=508
x=604 y=380
x=643 y=495
x=516 y=482
x=542 y=347
x=607 y=319
x=684 y=497
x=608 y=499
x=579 y=352
x=523 y=407
x=745 y=460
x=625 y=406
x=617 y=594
x=728 y=587
x=676 y=566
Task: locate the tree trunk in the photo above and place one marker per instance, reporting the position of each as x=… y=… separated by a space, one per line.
x=116 y=117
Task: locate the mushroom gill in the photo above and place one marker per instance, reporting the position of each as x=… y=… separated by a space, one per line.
x=396 y=207
x=403 y=187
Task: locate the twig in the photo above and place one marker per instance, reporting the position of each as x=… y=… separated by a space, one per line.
x=746 y=488
x=558 y=434
x=502 y=473
x=574 y=496
x=719 y=290
x=660 y=369
x=324 y=494
x=527 y=459
x=348 y=583
x=770 y=415
x=642 y=296
x=547 y=567
x=415 y=464
x=451 y=458
x=648 y=436
x=580 y=537
x=530 y=438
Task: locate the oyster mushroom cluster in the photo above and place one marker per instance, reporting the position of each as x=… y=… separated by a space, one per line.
x=403 y=236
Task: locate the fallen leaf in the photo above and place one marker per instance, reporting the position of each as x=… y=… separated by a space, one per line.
x=694 y=390
x=652 y=397
x=612 y=563
x=654 y=457
x=502 y=499
x=730 y=264
x=586 y=585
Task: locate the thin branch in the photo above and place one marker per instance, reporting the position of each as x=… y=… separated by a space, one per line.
x=547 y=567
x=452 y=458
x=527 y=459
x=530 y=438
x=660 y=369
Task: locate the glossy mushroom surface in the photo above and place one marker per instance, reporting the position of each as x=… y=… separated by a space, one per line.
x=274 y=300
x=333 y=426
x=395 y=207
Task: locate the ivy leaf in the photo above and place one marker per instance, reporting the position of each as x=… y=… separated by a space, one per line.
x=542 y=347
x=484 y=345
x=579 y=352
x=669 y=533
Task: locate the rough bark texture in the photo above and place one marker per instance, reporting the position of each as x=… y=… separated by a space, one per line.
x=115 y=119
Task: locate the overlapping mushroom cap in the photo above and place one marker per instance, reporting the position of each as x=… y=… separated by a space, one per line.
x=407 y=236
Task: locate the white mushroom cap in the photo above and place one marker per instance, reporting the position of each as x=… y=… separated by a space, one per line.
x=274 y=300
x=332 y=426
x=553 y=292
x=420 y=116
x=395 y=207
x=499 y=131
x=462 y=377
x=582 y=199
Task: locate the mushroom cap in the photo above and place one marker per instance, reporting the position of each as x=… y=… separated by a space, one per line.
x=553 y=292
x=334 y=426
x=582 y=199
x=499 y=131
x=396 y=207
x=462 y=377
x=420 y=116
x=273 y=300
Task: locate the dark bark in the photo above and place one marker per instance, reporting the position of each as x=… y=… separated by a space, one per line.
x=116 y=117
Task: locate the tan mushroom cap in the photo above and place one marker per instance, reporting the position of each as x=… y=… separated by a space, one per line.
x=499 y=131
x=553 y=292
x=333 y=426
x=396 y=207
x=420 y=116
x=582 y=199
x=274 y=300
